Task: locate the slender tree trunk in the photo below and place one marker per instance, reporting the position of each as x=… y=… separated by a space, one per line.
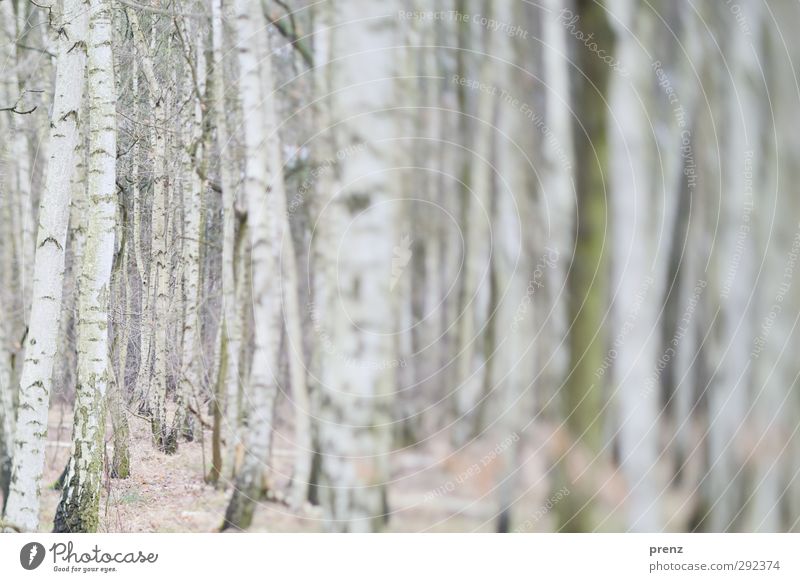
x=78 y=510
x=25 y=231
x=231 y=321
x=638 y=281
x=263 y=189
x=120 y=463
x=728 y=396
x=584 y=388
x=48 y=273
x=190 y=379
x=158 y=284
x=473 y=314
x=514 y=358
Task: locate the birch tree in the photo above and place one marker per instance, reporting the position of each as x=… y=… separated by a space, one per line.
x=79 y=506
x=263 y=187
x=48 y=272
x=231 y=330
x=355 y=430
x=735 y=266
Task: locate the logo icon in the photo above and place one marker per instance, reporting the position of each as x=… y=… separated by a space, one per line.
x=31 y=555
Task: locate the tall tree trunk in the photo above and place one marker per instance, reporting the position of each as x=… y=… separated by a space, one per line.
x=263 y=189
x=48 y=273
x=474 y=307
x=189 y=382
x=587 y=280
x=78 y=510
x=158 y=284
x=356 y=379
x=736 y=269
x=231 y=320
x=120 y=462
x=641 y=262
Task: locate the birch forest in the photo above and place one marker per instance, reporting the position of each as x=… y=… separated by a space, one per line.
x=361 y=266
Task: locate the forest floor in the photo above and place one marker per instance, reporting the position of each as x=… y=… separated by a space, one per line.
x=433 y=489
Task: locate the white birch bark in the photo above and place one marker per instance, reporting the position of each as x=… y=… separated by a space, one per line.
x=231 y=319
x=476 y=292
x=357 y=379
x=301 y=472
x=158 y=284
x=643 y=207
x=48 y=272
x=20 y=197
x=728 y=396
x=78 y=510
x=557 y=211
x=7 y=388
x=263 y=186
x=189 y=381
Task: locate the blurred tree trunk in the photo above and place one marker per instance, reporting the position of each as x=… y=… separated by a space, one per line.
x=777 y=497
x=24 y=231
x=587 y=282
x=477 y=139
x=231 y=278
x=511 y=353
x=734 y=264
x=264 y=192
x=644 y=200
x=356 y=377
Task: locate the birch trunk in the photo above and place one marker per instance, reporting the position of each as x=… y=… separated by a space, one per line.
x=158 y=291
x=476 y=292
x=582 y=396
x=25 y=230
x=640 y=263
x=122 y=304
x=232 y=331
x=263 y=189
x=190 y=379
x=48 y=273
x=79 y=506
x=735 y=261
x=357 y=377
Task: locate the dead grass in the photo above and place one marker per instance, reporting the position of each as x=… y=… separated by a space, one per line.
x=433 y=489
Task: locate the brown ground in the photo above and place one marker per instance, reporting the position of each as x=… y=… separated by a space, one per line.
x=168 y=493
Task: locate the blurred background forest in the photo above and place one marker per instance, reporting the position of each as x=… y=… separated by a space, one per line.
x=347 y=265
